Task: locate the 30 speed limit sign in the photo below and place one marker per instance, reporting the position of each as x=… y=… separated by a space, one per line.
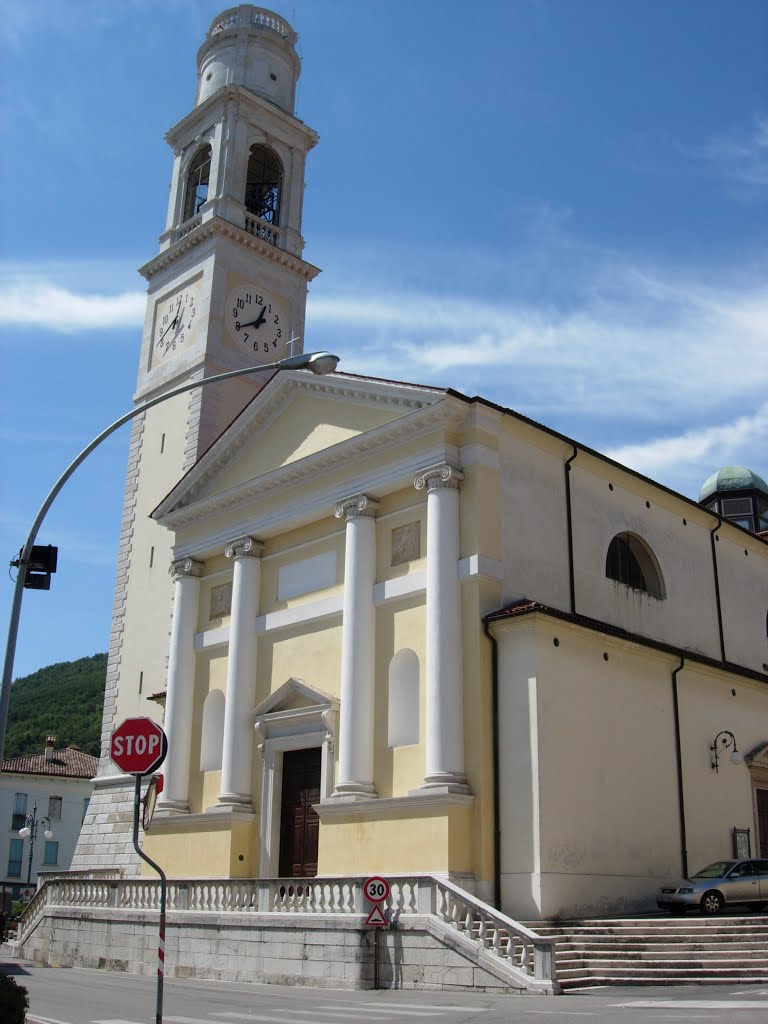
x=376 y=889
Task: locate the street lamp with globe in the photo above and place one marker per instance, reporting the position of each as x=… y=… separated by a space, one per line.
x=29 y=831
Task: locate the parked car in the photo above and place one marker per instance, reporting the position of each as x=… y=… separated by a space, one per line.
x=721 y=884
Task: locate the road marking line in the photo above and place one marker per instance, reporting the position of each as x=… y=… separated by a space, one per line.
x=33 y=1019
x=693 y=1004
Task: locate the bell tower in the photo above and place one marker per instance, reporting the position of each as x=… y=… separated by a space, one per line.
x=227 y=289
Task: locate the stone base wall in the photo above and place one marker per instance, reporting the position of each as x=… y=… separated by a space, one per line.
x=106 y=838
x=316 y=950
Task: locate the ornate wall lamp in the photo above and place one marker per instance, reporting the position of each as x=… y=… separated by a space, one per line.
x=725 y=740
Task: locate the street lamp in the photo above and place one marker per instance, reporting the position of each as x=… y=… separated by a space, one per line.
x=318 y=362
x=31 y=825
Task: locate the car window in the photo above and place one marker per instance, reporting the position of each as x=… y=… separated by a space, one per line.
x=717 y=870
x=743 y=870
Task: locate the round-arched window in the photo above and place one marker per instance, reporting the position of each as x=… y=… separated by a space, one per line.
x=198 y=179
x=630 y=561
x=263 y=184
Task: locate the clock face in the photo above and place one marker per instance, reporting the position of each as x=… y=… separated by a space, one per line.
x=176 y=320
x=255 y=321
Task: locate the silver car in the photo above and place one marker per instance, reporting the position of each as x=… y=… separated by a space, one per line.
x=723 y=883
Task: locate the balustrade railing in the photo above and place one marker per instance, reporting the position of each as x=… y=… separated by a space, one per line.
x=488 y=928
x=262 y=229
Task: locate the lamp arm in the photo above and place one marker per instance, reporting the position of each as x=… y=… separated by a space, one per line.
x=292 y=362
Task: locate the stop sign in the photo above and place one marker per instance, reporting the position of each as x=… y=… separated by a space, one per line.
x=138 y=746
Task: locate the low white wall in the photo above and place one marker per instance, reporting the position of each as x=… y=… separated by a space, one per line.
x=322 y=951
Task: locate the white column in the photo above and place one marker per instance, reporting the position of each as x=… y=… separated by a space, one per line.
x=355 y=777
x=181 y=684
x=237 y=753
x=444 y=668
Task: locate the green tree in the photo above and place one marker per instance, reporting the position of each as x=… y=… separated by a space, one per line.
x=63 y=700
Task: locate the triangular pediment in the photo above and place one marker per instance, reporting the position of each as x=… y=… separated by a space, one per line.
x=758 y=756
x=296 y=418
x=294 y=695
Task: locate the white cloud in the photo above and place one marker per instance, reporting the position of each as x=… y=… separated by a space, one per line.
x=31 y=302
x=743 y=158
x=637 y=345
x=700 y=450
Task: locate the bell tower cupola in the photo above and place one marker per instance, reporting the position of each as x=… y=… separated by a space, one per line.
x=251 y=47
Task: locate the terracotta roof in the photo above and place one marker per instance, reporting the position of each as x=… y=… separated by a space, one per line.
x=69 y=762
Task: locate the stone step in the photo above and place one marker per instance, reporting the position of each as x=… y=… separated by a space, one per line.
x=684 y=955
x=608 y=965
x=597 y=981
x=685 y=974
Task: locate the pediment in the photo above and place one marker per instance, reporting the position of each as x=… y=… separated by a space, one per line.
x=294 y=695
x=758 y=756
x=295 y=418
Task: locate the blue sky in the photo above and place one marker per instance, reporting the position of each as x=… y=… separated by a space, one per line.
x=557 y=204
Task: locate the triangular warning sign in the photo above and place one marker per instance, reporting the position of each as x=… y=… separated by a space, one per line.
x=376 y=918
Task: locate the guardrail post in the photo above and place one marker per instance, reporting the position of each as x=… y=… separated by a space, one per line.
x=114 y=894
x=358 y=901
x=426 y=896
x=182 y=895
x=543 y=961
x=263 y=898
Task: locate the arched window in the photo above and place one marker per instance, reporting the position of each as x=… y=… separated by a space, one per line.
x=263 y=185
x=198 y=178
x=630 y=561
x=403 y=717
x=212 y=738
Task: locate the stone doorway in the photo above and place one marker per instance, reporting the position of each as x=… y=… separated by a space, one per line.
x=299 y=823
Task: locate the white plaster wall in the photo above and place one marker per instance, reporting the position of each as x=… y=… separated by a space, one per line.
x=742 y=565
x=65 y=830
x=534 y=534
x=687 y=616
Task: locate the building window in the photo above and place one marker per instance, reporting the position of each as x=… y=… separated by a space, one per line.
x=630 y=561
x=19 y=812
x=198 y=179
x=15 y=854
x=403 y=716
x=51 y=855
x=86 y=801
x=54 y=807
x=263 y=185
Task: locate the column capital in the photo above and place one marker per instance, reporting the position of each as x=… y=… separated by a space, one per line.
x=442 y=474
x=185 y=567
x=244 y=547
x=356 y=506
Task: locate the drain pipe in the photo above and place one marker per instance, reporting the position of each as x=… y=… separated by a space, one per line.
x=679 y=758
x=569 y=528
x=496 y=773
x=717 y=587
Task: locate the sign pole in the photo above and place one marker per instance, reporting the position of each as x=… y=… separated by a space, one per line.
x=163 y=887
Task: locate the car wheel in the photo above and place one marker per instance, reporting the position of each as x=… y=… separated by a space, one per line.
x=711 y=903
x=676 y=910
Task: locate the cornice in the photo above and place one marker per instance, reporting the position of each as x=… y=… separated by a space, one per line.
x=386 y=807
x=204 y=116
x=217 y=227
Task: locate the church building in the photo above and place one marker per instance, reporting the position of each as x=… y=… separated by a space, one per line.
x=390 y=628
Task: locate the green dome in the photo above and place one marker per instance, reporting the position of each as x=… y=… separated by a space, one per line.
x=732 y=478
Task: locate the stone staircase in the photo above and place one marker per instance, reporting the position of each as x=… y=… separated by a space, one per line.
x=660 y=950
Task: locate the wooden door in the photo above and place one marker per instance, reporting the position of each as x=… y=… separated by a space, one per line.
x=299 y=823
x=762 y=822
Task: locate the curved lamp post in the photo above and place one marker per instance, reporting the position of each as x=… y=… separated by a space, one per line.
x=318 y=362
x=31 y=825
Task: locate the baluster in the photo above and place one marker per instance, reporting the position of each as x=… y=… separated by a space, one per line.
x=482 y=932
x=496 y=939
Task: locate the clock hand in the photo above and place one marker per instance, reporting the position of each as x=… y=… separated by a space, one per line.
x=256 y=323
